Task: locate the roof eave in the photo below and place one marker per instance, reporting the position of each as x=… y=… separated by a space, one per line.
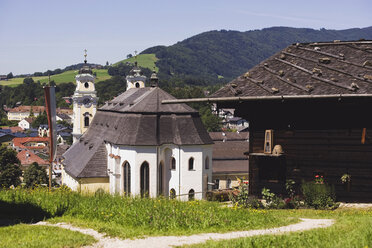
x=267 y=98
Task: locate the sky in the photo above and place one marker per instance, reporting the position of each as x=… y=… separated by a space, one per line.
x=39 y=35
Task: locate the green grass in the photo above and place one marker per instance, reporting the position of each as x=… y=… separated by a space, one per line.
x=41 y=236
x=65 y=77
x=144 y=60
x=353 y=228
x=135 y=217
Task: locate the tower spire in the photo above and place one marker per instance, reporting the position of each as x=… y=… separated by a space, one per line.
x=85 y=56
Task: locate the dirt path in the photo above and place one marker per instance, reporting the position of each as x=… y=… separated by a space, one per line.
x=169 y=241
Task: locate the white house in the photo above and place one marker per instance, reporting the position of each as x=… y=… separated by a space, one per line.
x=136 y=145
x=25 y=123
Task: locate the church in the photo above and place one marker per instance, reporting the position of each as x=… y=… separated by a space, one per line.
x=135 y=145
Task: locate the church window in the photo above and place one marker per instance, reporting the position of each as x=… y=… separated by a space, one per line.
x=206 y=163
x=126 y=178
x=86 y=121
x=191 y=195
x=160 y=179
x=173 y=163
x=137 y=85
x=145 y=179
x=172 y=193
x=86 y=85
x=191 y=163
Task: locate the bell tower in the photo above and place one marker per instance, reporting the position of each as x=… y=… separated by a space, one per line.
x=84 y=100
x=135 y=79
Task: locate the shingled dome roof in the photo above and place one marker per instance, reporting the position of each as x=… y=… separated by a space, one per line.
x=135 y=118
x=306 y=69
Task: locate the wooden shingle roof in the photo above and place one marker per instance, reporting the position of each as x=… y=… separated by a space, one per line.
x=306 y=69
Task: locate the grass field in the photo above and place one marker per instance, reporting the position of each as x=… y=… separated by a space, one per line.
x=353 y=228
x=41 y=236
x=133 y=217
x=144 y=60
x=65 y=77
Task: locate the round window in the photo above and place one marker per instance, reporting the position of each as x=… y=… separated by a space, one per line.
x=137 y=85
x=86 y=85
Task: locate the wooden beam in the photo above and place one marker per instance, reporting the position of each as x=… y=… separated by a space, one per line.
x=286 y=81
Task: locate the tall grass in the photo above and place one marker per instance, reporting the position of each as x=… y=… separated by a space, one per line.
x=130 y=217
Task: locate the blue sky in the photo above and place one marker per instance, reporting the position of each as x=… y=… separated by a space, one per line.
x=40 y=35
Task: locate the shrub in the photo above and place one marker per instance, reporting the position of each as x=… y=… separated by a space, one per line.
x=272 y=201
x=35 y=175
x=318 y=196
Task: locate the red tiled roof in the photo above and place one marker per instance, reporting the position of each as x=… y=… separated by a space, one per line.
x=28 y=157
x=13 y=129
x=66 y=111
x=35 y=109
x=20 y=142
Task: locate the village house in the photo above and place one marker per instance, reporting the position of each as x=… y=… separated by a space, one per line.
x=307 y=108
x=26 y=123
x=137 y=146
x=21 y=112
x=229 y=162
x=27 y=158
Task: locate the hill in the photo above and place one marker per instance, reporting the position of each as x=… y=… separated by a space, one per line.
x=228 y=54
x=143 y=60
x=64 y=77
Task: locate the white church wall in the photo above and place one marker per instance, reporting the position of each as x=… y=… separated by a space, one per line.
x=181 y=179
x=69 y=181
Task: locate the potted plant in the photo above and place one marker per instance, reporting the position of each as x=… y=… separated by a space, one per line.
x=346 y=179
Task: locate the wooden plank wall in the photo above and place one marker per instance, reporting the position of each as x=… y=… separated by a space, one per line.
x=328 y=152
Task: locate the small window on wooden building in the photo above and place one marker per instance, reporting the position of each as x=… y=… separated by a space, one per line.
x=268 y=147
x=191 y=163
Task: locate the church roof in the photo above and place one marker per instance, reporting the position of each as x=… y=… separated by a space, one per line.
x=145 y=100
x=135 y=118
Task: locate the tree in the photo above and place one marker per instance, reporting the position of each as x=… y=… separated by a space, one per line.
x=40 y=119
x=28 y=80
x=10 y=171
x=9 y=76
x=35 y=175
x=129 y=56
x=211 y=122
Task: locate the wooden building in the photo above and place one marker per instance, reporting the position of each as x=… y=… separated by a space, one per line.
x=313 y=100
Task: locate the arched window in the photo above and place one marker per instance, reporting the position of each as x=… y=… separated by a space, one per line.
x=173 y=163
x=191 y=163
x=86 y=85
x=126 y=178
x=145 y=179
x=160 y=178
x=206 y=163
x=172 y=193
x=86 y=121
x=191 y=195
x=137 y=85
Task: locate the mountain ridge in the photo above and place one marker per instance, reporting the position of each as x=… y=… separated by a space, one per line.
x=229 y=53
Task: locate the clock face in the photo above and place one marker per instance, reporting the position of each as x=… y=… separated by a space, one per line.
x=86 y=101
